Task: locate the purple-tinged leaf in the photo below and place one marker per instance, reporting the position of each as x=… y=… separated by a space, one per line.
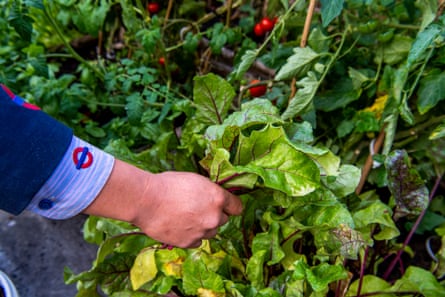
x=406 y=185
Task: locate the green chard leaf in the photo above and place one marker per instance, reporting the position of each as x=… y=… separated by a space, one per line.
x=144 y=268
x=406 y=185
x=421 y=281
x=269 y=154
x=320 y=276
x=212 y=96
x=376 y=212
x=197 y=276
x=269 y=242
x=370 y=285
x=255 y=269
x=255 y=112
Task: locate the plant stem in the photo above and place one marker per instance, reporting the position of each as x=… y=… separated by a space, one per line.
x=303 y=42
x=68 y=46
x=368 y=164
x=229 y=13
x=167 y=13
x=414 y=131
x=413 y=229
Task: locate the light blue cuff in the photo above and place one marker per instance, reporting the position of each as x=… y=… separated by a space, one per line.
x=75 y=183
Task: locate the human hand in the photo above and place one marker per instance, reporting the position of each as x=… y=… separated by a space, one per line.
x=175 y=208
x=182 y=208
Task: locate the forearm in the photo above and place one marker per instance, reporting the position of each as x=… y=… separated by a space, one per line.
x=121 y=196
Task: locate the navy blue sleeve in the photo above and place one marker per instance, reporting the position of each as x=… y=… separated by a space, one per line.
x=31 y=146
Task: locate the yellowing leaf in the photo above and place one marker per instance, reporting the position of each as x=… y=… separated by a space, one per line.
x=378 y=106
x=144 y=269
x=209 y=293
x=174 y=268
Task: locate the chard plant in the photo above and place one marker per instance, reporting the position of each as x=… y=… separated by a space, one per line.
x=338 y=160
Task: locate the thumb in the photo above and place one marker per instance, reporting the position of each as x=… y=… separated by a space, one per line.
x=233 y=205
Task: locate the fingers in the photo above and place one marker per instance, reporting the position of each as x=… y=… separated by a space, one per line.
x=233 y=205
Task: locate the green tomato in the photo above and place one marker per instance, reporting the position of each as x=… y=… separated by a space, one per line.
x=385 y=36
x=86 y=76
x=367 y=28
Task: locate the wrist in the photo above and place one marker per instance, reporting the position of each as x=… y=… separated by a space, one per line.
x=122 y=196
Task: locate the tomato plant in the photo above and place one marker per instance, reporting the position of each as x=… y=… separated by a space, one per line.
x=339 y=164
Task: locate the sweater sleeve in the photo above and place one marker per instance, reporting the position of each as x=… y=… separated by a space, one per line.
x=32 y=145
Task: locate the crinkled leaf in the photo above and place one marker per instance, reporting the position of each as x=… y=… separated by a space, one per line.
x=405 y=184
x=345 y=181
x=209 y=293
x=298 y=64
x=170 y=261
x=303 y=98
x=255 y=269
x=320 y=276
x=370 y=285
x=330 y=216
x=330 y=9
x=421 y=281
x=326 y=221
x=212 y=96
x=431 y=91
x=300 y=132
x=254 y=112
x=144 y=269
x=219 y=168
x=329 y=164
x=376 y=213
x=269 y=154
x=351 y=241
x=270 y=242
x=196 y=275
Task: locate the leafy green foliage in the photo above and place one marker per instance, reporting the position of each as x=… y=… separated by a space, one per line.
x=294 y=156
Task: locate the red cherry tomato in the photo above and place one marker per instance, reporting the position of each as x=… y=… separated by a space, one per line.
x=153 y=7
x=258 y=30
x=161 y=61
x=257 y=91
x=267 y=24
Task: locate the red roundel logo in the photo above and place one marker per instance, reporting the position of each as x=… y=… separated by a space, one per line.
x=82 y=158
